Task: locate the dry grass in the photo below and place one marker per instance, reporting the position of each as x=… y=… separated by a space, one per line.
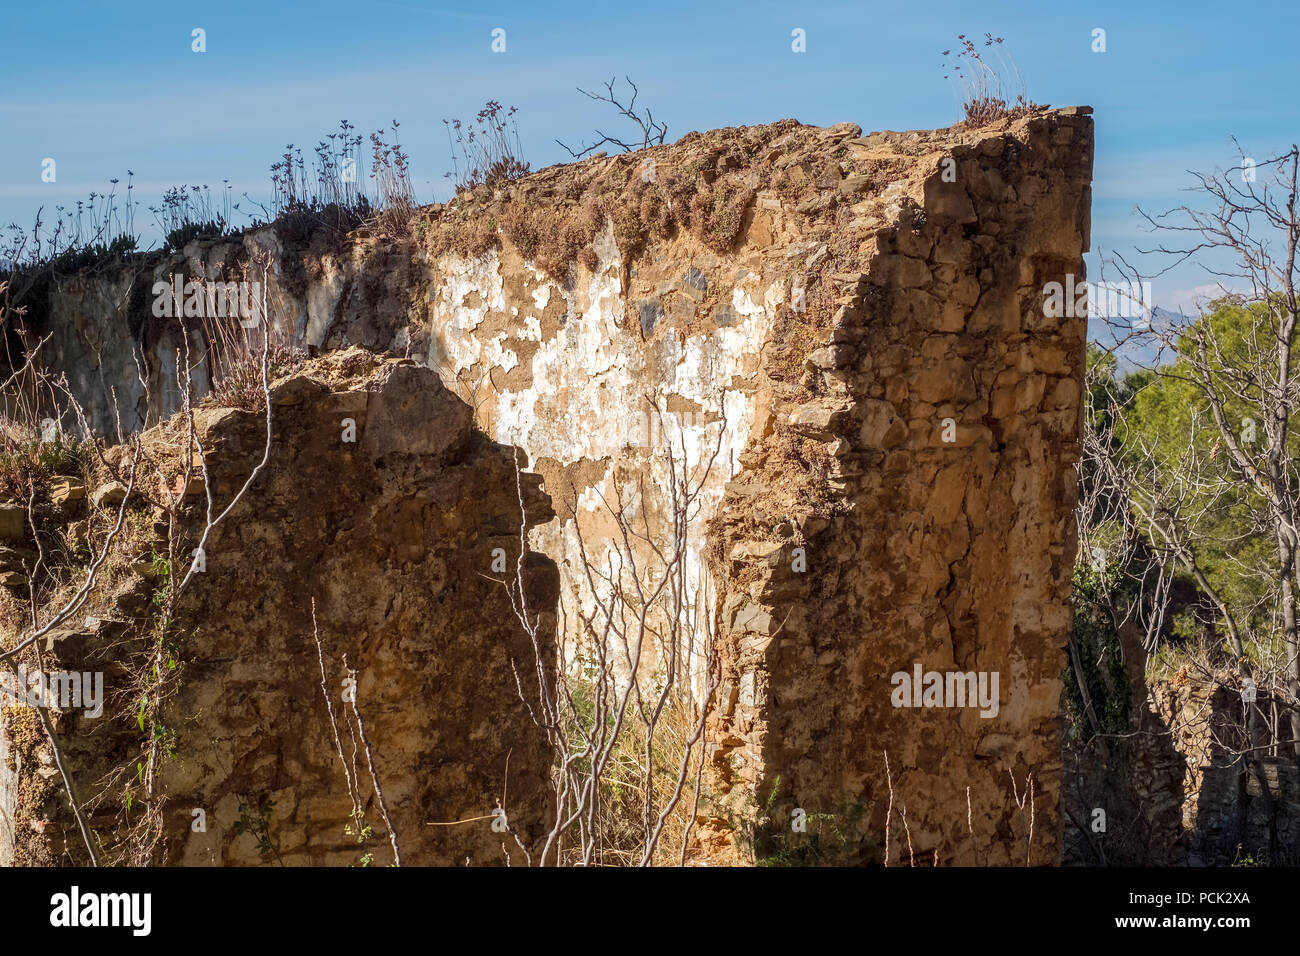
x=621 y=805
x=28 y=463
x=991 y=92
x=235 y=356
x=558 y=235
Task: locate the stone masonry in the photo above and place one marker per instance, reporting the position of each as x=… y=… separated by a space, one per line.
x=857 y=324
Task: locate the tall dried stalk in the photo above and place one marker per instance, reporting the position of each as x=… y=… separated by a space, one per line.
x=623 y=674
x=45 y=620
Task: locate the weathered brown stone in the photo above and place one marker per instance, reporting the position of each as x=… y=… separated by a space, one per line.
x=13 y=523
x=65 y=490
x=952 y=554
x=109 y=495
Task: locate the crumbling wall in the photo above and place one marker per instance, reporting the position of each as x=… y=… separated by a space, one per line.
x=1227 y=817
x=380 y=503
x=948 y=405
x=858 y=325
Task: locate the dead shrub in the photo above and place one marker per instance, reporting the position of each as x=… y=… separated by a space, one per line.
x=718 y=213
x=520 y=227
x=989 y=93
x=235 y=358
x=486 y=152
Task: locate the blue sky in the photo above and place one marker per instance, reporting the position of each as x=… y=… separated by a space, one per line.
x=103 y=88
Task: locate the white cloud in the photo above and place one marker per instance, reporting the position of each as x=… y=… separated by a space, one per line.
x=1193 y=301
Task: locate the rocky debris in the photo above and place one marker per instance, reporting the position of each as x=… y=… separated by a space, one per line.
x=756 y=551
x=15 y=562
x=816 y=421
x=14 y=527
x=108 y=495
x=183 y=486
x=65 y=490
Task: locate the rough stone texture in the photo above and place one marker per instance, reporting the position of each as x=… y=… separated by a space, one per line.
x=833 y=298
x=1175 y=789
x=952 y=554
x=1135 y=779
x=1224 y=810
x=388 y=535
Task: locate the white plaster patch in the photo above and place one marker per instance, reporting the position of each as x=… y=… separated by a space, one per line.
x=542 y=295
x=586 y=397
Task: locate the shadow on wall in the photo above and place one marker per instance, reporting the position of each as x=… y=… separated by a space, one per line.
x=1177 y=790
x=393 y=536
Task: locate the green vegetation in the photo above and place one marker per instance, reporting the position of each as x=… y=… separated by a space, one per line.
x=255 y=820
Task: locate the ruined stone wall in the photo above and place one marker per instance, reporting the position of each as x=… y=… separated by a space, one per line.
x=950 y=407
x=385 y=534
x=1225 y=811
x=857 y=325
